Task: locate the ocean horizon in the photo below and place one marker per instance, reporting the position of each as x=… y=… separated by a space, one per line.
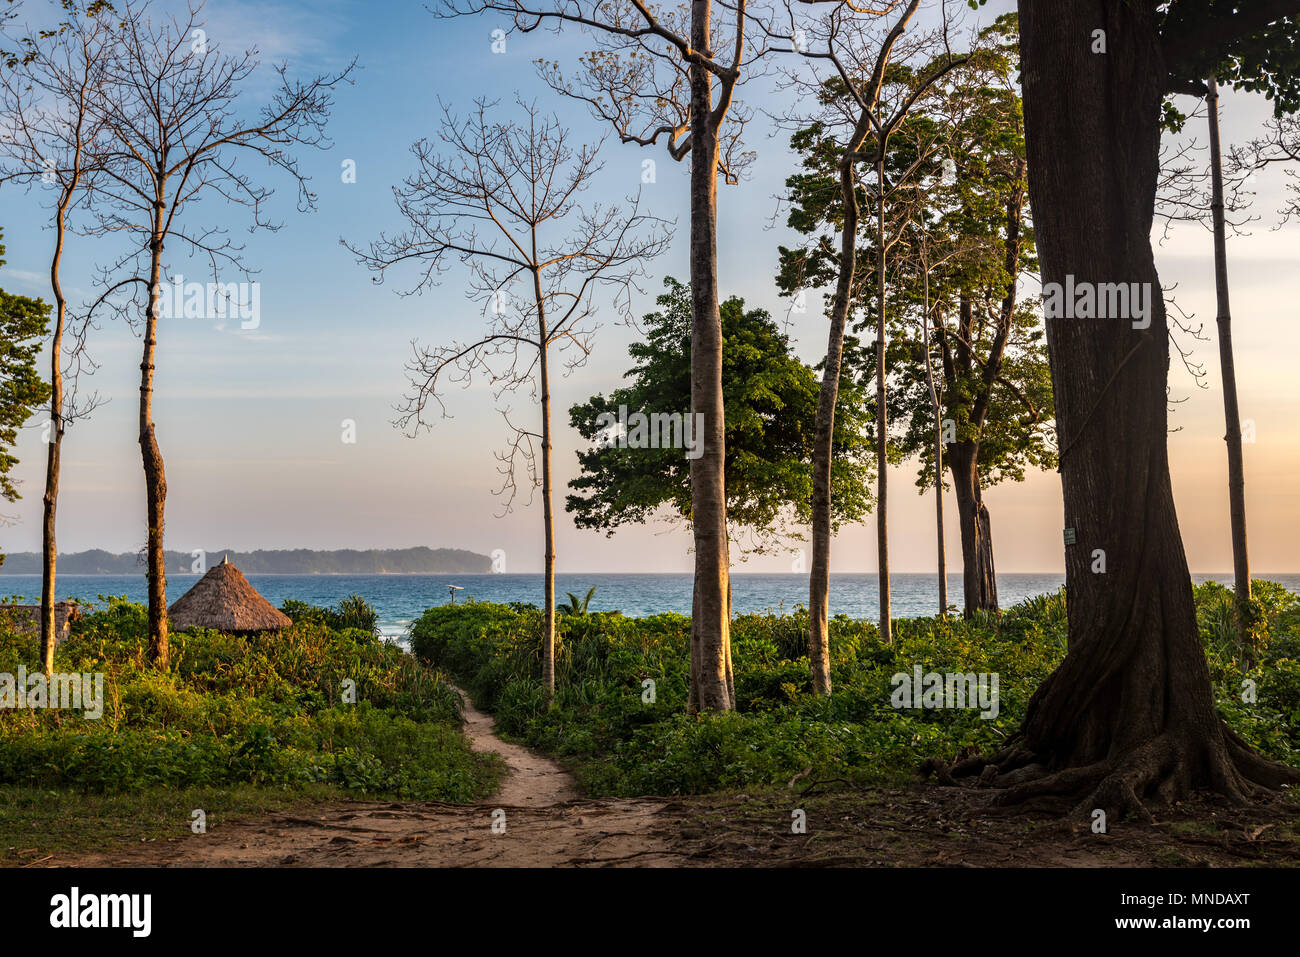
x=400 y=598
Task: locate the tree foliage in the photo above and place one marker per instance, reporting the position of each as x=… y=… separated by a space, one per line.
x=23 y=322
x=994 y=381
x=771 y=399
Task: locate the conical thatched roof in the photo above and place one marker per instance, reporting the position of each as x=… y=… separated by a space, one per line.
x=224 y=601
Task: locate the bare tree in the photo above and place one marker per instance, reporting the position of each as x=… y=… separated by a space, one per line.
x=535 y=280
x=53 y=138
x=669 y=75
x=1279 y=144
x=1184 y=190
x=1228 y=369
x=171 y=110
x=1191 y=191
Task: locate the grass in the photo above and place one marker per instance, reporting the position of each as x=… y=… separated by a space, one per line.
x=322 y=710
x=36 y=823
x=619 y=720
x=325 y=711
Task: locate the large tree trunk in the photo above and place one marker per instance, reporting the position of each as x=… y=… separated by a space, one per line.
x=979 y=579
x=1231 y=415
x=1129 y=715
x=710 y=618
x=155 y=480
x=50 y=501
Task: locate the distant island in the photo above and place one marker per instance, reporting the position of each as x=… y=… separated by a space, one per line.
x=294 y=561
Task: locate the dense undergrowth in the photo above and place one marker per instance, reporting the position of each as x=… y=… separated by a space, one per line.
x=269 y=711
x=618 y=742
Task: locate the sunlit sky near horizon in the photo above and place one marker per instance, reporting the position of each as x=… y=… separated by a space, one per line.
x=249 y=421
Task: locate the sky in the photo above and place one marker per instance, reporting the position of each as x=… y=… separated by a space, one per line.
x=251 y=421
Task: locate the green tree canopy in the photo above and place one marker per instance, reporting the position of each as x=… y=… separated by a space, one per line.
x=771 y=402
x=23 y=323
x=968 y=219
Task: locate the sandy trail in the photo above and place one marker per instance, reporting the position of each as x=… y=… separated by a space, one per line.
x=545 y=825
x=534 y=780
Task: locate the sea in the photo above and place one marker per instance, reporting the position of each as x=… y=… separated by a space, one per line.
x=400 y=599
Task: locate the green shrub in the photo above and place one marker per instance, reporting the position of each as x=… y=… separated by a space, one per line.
x=620 y=743
x=266 y=709
x=351 y=612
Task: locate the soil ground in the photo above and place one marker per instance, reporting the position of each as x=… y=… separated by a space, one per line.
x=547 y=824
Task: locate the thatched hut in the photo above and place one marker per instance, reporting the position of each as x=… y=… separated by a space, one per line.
x=223 y=600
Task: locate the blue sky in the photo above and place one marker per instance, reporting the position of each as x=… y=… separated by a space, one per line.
x=250 y=421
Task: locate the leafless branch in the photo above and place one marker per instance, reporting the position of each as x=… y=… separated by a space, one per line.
x=502 y=199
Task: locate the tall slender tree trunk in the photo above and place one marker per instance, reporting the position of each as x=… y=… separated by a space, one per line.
x=819 y=572
x=882 y=413
x=731 y=675
x=979 y=578
x=710 y=617
x=937 y=412
x=819 y=655
x=155 y=480
x=1129 y=714
x=1231 y=415
x=50 y=501
x=693 y=694
x=548 y=517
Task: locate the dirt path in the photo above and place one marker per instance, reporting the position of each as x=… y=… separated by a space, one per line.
x=535 y=820
x=547 y=825
x=534 y=780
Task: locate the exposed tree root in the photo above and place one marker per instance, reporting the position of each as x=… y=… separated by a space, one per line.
x=1160 y=772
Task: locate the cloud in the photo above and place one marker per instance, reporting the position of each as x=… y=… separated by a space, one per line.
x=259 y=391
x=259 y=461
x=279 y=31
x=27 y=277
